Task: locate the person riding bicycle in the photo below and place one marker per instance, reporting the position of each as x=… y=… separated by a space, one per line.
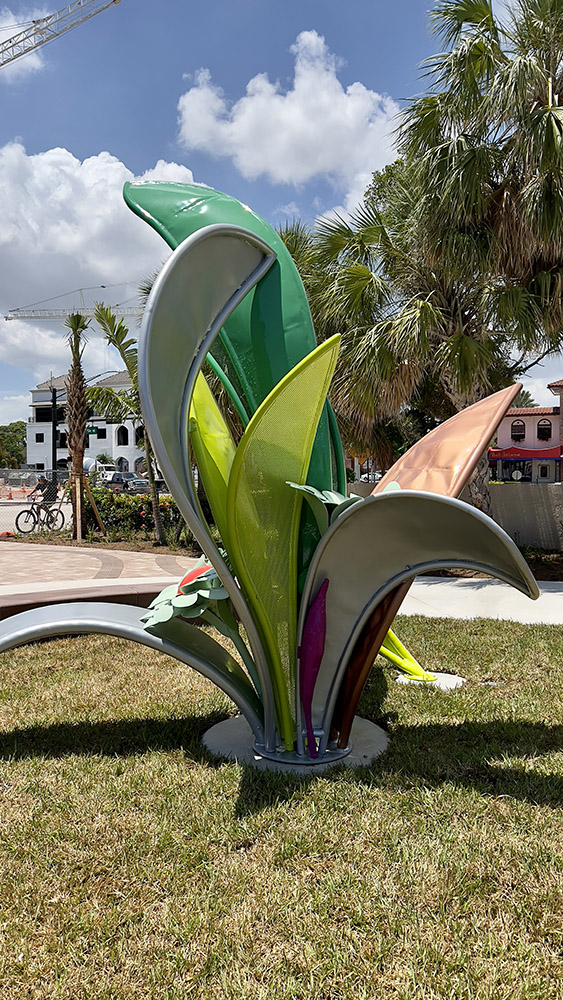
x=49 y=492
x=44 y=512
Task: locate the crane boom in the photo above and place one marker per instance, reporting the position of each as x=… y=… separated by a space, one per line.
x=52 y=314
x=44 y=29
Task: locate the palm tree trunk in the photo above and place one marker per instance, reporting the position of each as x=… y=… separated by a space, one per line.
x=76 y=422
x=478 y=485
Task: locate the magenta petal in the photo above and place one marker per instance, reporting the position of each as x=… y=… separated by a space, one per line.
x=312 y=649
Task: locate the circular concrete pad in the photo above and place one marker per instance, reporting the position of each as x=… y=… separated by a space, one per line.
x=443 y=682
x=233 y=739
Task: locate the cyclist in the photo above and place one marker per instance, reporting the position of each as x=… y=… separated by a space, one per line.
x=41 y=512
x=49 y=492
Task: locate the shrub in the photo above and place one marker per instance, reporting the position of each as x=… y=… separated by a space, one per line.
x=124 y=514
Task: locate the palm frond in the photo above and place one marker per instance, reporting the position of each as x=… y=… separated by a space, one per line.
x=116 y=333
x=451 y=18
x=117 y=407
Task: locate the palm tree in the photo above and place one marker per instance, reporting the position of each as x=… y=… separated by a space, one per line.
x=121 y=406
x=342 y=300
x=450 y=274
x=524 y=398
x=487 y=140
x=76 y=417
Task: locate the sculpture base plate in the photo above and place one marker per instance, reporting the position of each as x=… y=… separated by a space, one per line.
x=443 y=682
x=233 y=739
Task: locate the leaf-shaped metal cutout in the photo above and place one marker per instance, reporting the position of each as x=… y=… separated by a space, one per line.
x=263 y=513
x=185 y=600
x=197 y=289
x=380 y=543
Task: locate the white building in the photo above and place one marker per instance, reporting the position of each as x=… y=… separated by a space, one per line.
x=118 y=441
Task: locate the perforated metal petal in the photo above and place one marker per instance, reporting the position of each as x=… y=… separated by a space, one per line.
x=214 y=450
x=263 y=511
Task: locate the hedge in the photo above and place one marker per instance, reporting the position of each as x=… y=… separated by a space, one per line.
x=125 y=513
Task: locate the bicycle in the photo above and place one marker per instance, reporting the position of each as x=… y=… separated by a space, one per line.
x=38 y=516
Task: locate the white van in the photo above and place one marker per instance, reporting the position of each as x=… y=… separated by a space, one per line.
x=105 y=471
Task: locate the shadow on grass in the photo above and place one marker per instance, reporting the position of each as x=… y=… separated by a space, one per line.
x=111 y=738
x=466 y=754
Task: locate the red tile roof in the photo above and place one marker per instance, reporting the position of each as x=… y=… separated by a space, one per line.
x=533 y=411
x=553 y=385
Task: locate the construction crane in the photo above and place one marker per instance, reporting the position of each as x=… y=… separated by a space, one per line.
x=37 y=310
x=52 y=314
x=45 y=29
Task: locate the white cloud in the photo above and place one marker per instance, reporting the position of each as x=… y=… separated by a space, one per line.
x=42 y=350
x=11 y=25
x=65 y=226
x=315 y=129
x=291 y=210
x=536 y=382
x=14 y=408
x=69 y=216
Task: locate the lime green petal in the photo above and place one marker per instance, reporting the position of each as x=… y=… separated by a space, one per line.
x=263 y=512
x=214 y=451
x=397 y=654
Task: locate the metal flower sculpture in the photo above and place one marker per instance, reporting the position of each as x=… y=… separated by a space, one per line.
x=306 y=581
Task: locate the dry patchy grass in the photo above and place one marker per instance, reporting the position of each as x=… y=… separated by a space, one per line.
x=133 y=865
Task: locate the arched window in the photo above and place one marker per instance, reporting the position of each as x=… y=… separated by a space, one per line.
x=122 y=465
x=122 y=437
x=139 y=436
x=518 y=430
x=544 y=430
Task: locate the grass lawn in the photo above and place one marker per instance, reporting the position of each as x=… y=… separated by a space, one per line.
x=133 y=865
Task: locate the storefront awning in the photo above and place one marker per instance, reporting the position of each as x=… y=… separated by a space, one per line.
x=526 y=454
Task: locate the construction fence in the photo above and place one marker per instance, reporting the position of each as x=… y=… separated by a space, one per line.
x=16 y=487
x=115 y=512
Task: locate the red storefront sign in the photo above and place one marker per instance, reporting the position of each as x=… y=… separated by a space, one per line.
x=525 y=453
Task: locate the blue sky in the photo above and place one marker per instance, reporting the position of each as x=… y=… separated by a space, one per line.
x=287 y=106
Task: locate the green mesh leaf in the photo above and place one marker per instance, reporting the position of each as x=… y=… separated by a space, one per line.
x=214 y=451
x=263 y=514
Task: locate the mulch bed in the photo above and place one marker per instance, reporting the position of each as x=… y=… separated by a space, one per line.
x=544 y=566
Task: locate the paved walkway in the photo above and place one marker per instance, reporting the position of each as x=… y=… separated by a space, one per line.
x=34 y=575
x=442 y=597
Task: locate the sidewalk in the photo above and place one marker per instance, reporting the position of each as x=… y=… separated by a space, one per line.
x=36 y=575
x=447 y=597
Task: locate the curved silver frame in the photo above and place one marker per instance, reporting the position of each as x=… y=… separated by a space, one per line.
x=124 y=622
x=446 y=519
x=174 y=310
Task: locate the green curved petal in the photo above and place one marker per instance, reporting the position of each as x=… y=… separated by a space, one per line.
x=214 y=451
x=268 y=333
x=263 y=512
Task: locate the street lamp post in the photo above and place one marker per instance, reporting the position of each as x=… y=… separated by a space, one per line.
x=53 y=435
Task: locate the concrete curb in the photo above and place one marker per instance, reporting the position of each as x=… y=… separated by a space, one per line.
x=139 y=592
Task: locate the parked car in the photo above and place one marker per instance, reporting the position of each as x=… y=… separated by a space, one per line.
x=126 y=482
